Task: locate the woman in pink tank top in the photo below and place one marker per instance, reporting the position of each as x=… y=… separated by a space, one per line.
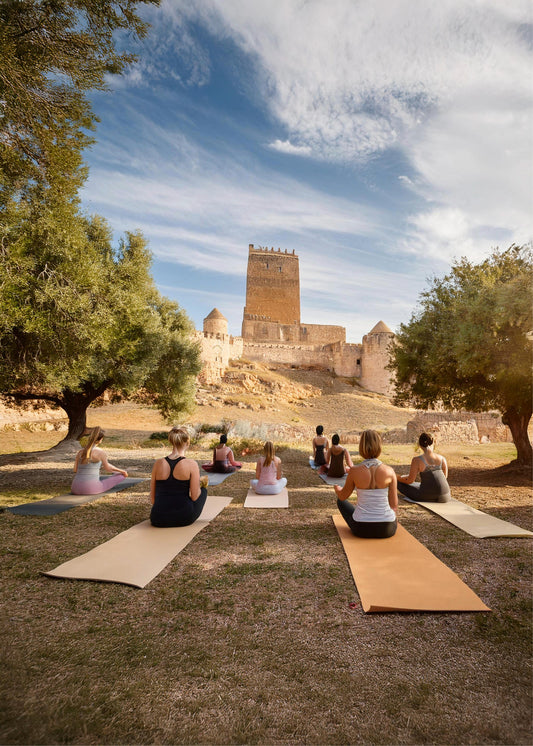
x=268 y=479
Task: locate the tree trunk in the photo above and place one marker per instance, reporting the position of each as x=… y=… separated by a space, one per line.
x=518 y=423
x=75 y=404
x=77 y=418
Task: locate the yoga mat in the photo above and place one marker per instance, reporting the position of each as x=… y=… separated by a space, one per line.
x=54 y=505
x=472 y=521
x=136 y=556
x=401 y=574
x=216 y=477
x=332 y=480
x=312 y=463
x=253 y=500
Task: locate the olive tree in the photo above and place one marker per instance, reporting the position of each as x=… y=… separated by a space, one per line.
x=468 y=346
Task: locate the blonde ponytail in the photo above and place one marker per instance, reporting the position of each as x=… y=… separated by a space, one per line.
x=269 y=453
x=95 y=437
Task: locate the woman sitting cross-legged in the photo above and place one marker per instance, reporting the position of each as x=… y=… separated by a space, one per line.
x=177 y=493
x=374 y=514
x=268 y=479
x=223 y=460
x=433 y=470
x=320 y=446
x=338 y=460
x=87 y=466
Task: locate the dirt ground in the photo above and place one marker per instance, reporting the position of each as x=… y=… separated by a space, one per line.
x=254 y=634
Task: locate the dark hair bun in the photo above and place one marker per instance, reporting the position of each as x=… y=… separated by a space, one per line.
x=425 y=440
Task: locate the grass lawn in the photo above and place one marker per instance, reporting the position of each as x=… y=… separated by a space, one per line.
x=249 y=635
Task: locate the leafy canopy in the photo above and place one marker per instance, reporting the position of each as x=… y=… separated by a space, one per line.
x=81 y=316
x=469 y=344
x=51 y=53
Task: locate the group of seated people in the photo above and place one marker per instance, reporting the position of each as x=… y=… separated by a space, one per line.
x=178 y=494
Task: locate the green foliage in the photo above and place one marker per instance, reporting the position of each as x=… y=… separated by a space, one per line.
x=81 y=316
x=468 y=345
x=51 y=53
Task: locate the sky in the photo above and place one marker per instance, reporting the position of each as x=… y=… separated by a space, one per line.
x=381 y=141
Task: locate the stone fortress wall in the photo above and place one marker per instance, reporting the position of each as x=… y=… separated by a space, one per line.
x=272 y=331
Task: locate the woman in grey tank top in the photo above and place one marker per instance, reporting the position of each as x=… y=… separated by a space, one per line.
x=433 y=471
x=89 y=461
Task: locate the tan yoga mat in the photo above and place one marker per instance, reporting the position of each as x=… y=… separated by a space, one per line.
x=472 y=521
x=253 y=500
x=136 y=556
x=401 y=574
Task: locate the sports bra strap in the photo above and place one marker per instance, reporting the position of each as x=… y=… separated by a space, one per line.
x=372 y=465
x=173 y=463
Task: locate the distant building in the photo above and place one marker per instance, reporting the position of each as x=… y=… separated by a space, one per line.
x=273 y=333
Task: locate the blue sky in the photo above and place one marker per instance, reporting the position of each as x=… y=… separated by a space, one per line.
x=379 y=140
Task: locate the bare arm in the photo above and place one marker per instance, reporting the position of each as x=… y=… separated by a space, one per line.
x=258 y=469
x=348 y=458
x=444 y=467
x=152 y=483
x=194 y=488
x=393 y=492
x=343 y=493
x=105 y=463
x=77 y=461
x=231 y=459
x=413 y=471
x=278 y=472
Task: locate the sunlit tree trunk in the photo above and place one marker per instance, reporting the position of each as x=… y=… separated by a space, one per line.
x=518 y=422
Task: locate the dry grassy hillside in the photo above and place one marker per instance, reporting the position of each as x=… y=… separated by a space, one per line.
x=300 y=397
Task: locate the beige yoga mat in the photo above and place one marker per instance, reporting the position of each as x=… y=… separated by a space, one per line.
x=401 y=574
x=472 y=521
x=253 y=500
x=136 y=556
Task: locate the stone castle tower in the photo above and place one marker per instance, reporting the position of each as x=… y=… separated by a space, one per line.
x=272 y=292
x=273 y=333
x=272 y=310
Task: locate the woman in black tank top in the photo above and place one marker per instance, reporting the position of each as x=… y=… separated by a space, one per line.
x=176 y=500
x=320 y=446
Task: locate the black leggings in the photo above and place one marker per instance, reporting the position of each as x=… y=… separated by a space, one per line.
x=181 y=517
x=366 y=529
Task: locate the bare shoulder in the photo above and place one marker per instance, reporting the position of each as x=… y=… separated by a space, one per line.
x=192 y=463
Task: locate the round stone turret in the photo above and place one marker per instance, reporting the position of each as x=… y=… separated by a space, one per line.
x=215 y=323
x=381 y=328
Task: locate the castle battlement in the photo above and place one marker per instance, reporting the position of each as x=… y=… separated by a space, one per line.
x=264 y=250
x=272 y=331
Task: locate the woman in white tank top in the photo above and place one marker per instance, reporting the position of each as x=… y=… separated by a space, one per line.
x=374 y=514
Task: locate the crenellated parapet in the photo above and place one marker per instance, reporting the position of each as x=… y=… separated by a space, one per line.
x=273 y=333
x=265 y=249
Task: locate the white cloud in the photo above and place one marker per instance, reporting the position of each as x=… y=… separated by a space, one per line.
x=448 y=84
x=286 y=146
